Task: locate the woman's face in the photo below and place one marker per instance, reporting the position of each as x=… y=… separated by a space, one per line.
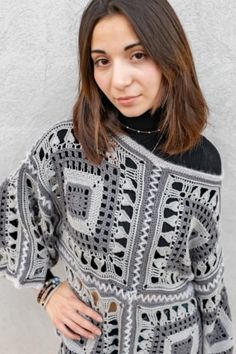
x=124 y=72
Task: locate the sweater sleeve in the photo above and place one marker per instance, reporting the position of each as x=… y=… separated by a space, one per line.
x=28 y=220
x=208 y=269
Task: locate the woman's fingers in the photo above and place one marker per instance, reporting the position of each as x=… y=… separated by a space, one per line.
x=84 y=323
x=74 y=327
x=67 y=332
x=86 y=310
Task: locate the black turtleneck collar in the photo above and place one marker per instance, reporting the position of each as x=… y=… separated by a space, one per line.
x=194 y=159
x=144 y=122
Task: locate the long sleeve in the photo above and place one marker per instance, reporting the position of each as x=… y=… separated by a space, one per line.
x=208 y=268
x=28 y=220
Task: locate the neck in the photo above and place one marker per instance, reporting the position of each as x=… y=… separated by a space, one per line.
x=144 y=122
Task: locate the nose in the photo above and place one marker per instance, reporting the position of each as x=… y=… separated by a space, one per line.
x=121 y=75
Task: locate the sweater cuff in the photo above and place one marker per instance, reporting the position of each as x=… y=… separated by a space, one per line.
x=49 y=275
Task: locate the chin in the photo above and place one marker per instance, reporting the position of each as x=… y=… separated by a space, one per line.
x=132 y=112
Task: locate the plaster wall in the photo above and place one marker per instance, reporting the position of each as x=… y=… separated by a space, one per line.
x=38 y=86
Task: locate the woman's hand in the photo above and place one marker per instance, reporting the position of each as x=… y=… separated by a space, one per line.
x=63 y=308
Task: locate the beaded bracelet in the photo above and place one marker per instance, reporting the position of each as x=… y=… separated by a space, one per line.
x=47 y=290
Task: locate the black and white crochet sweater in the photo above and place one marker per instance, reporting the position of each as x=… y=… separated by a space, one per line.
x=138 y=235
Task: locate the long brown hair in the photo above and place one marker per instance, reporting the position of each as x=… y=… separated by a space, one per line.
x=161 y=33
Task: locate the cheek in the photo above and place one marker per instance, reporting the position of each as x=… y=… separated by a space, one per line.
x=156 y=79
x=152 y=77
x=101 y=81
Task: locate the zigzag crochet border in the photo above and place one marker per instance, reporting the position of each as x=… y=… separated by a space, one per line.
x=133 y=295
x=213 y=285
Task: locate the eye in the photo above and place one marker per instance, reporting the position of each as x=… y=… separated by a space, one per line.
x=139 y=56
x=100 y=62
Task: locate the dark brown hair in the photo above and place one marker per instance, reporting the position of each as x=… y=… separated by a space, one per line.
x=161 y=33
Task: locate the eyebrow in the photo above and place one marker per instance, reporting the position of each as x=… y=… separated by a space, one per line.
x=130 y=46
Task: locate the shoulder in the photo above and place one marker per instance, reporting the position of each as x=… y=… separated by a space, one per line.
x=57 y=131
x=206 y=157
x=55 y=144
x=211 y=158
x=57 y=134
x=203 y=157
x=59 y=137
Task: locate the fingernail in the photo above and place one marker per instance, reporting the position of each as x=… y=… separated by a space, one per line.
x=100 y=319
x=98 y=332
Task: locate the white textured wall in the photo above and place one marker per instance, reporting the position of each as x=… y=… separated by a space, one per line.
x=38 y=85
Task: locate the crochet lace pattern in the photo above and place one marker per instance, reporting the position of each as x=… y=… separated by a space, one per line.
x=139 y=239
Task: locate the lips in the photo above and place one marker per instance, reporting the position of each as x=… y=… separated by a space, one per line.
x=126 y=98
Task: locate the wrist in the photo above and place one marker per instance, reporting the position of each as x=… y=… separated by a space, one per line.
x=47 y=291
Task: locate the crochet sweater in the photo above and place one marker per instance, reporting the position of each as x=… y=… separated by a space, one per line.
x=139 y=239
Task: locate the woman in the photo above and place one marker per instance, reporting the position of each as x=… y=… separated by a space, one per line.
x=128 y=195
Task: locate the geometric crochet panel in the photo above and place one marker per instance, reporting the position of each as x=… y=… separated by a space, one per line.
x=83 y=193
x=157 y=331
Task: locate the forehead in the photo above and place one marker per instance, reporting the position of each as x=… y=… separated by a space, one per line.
x=113 y=31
